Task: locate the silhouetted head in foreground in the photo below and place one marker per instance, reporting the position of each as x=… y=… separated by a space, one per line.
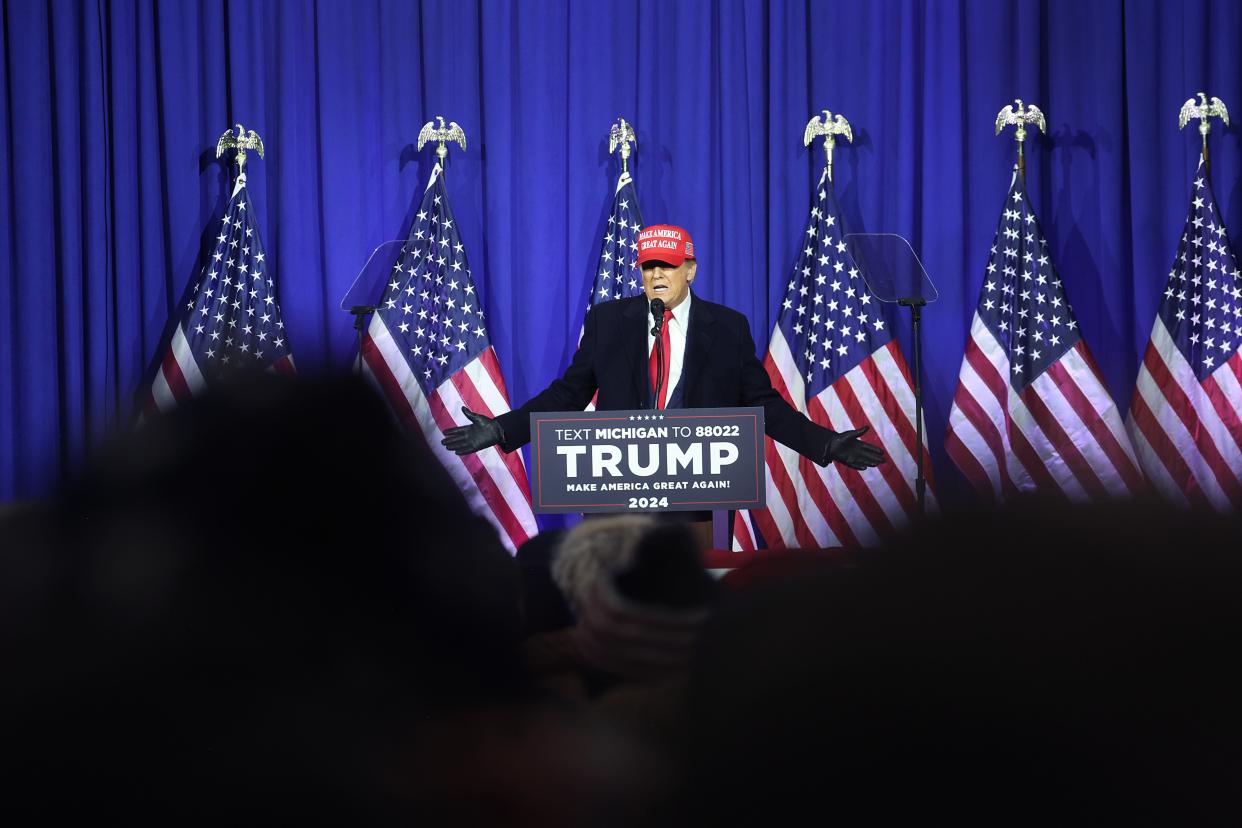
x=254 y=599
x=1033 y=664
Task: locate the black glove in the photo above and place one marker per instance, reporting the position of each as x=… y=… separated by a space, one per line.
x=845 y=447
x=483 y=432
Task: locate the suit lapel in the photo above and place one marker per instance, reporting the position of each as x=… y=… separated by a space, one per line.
x=634 y=341
x=698 y=348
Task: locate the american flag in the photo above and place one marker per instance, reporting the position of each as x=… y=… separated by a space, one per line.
x=231 y=318
x=832 y=356
x=1186 y=412
x=618 y=275
x=1031 y=412
x=427 y=348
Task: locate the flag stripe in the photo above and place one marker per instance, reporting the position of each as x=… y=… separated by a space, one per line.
x=486 y=376
x=1039 y=458
x=896 y=401
x=473 y=385
x=817 y=498
x=1212 y=434
x=743 y=534
x=1220 y=388
x=1030 y=437
x=1235 y=364
x=967 y=460
x=418 y=411
x=377 y=365
x=1065 y=453
x=992 y=371
x=1179 y=452
x=285 y=366
x=819 y=511
x=1165 y=465
x=782 y=461
x=898 y=473
x=987 y=382
x=867 y=522
x=977 y=435
x=981 y=400
x=163 y=398
x=1095 y=425
x=838 y=408
x=1204 y=428
x=194 y=383
x=1098 y=397
x=903 y=392
x=765 y=521
x=787 y=491
x=486 y=467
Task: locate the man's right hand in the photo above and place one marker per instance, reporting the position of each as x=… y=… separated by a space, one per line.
x=483 y=432
x=846 y=448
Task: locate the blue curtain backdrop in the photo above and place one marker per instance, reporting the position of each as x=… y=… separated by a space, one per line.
x=109 y=184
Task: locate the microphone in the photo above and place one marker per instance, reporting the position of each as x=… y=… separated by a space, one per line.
x=657 y=312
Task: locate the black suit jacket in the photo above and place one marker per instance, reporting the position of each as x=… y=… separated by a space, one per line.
x=720 y=370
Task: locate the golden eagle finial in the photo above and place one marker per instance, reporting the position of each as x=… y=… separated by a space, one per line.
x=241 y=142
x=1021 y=116
x=830 y=128
x=622 y=135
x=1205 y=112
x=441 y=134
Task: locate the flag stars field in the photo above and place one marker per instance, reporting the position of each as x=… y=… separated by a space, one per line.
x=618 y=276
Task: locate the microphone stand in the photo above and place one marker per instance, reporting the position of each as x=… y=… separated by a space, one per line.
x=916 y=313
x=360 y=312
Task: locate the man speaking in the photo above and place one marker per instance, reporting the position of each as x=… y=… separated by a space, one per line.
x=667 y=349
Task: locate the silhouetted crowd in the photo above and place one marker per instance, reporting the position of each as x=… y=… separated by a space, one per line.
x=272 y=607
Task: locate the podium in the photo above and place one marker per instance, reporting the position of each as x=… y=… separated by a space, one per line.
x=671 y=460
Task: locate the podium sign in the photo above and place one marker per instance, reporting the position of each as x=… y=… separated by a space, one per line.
x=691 y=459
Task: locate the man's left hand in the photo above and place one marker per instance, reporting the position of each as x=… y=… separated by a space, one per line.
x=845 y=447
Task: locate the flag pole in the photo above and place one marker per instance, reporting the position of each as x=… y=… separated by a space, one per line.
x=1020 y=117
x=829 y=128
x=1204 y=111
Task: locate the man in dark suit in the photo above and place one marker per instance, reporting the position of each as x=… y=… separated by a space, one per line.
x=706 y=359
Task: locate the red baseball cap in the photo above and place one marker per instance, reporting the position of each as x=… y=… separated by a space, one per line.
x=664 y=243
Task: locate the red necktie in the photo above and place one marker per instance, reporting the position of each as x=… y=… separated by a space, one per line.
x=652 y=364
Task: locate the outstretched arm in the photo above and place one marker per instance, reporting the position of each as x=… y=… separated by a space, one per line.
x=570 y=392
x=788 y=426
